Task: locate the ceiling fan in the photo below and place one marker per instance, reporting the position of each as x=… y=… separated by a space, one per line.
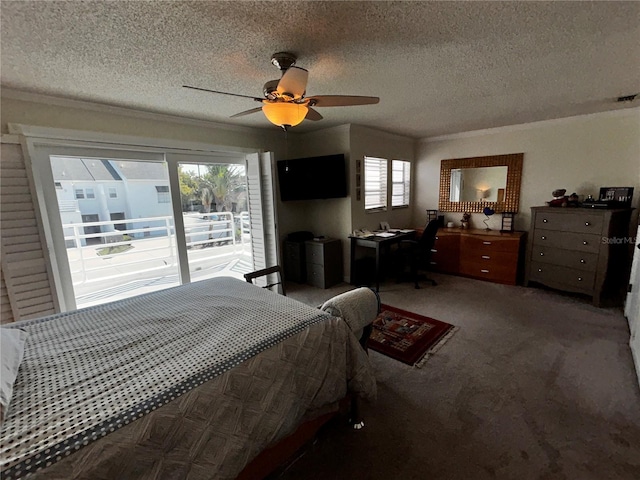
x=284 y=103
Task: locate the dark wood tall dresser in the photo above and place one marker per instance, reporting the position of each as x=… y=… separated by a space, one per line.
x=579 y=250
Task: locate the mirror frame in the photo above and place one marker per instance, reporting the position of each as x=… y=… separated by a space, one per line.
x=511 y=202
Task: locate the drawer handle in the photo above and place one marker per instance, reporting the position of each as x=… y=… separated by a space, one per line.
x=486 y=243
x=587 y=224
x=484 y=271
x=585 y=243
x=486 y=257
x=543 y=237
x=541 y=254
x=582 y=260
x=539 y=269
x=544 y=220
x=579 y=279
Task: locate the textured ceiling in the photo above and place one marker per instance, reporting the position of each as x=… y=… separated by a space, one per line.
x=438 y=67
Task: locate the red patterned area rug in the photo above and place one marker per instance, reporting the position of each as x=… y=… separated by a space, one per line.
x=406 y=336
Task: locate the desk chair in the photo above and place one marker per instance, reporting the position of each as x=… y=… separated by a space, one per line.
x=265 y=272
x=416 y=254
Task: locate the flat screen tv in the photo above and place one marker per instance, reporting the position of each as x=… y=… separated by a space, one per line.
x=312 y=178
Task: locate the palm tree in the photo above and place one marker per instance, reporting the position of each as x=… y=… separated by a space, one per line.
x=226 y=182
x=206 y=198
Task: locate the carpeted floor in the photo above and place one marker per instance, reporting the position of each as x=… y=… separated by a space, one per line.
x=534 y=385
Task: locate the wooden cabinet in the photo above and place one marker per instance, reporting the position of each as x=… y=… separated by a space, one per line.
x=324 y=262
x=486 y=255
x=579 y=250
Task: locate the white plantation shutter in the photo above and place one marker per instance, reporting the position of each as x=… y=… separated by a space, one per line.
x=401 y=183
x=26 y=289
x=262 y=210
x=375 y=183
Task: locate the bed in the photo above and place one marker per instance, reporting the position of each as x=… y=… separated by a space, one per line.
x=193 y=381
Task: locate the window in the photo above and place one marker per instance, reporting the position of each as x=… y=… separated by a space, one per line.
x=375 y=183
x=252 y=237
x=163 y=194
x=90 y=193
x=58 y=185
x=79 y=193
x=401 y=181
x=113 y=193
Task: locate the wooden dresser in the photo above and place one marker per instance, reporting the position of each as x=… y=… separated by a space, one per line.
x=485 y=255
x=579 y=250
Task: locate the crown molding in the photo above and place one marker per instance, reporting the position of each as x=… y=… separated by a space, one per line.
x=629 y=111
x=69 y=137
x=25 y=96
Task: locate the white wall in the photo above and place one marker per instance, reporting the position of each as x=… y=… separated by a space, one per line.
x=52 y=112
x=580 y=154
x=329 y=217
x=369 y=142
x=337 y=218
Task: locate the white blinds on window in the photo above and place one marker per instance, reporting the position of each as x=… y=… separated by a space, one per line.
x=375 y=183
x=401 y=180
x=262 y=213
x=25 y=290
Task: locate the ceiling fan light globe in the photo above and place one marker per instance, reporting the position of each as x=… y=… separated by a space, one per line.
x=285 y=114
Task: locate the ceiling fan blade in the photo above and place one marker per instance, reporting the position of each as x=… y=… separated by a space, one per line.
x=293 y=82
x=246 y=112
x=341 y=100
x=223 y=93
x=313 y=115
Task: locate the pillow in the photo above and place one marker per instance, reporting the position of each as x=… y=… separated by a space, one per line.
x=358 y=308
x=12 y=342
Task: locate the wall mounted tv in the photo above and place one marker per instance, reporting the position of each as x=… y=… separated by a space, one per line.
x=312 y=178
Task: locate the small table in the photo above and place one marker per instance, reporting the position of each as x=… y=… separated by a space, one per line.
x=377 y=242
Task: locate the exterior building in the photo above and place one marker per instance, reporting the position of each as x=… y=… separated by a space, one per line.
x=104 y=191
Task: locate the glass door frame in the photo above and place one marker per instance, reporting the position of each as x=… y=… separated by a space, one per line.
x=37 y=157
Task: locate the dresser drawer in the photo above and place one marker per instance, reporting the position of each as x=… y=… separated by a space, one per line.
x=584 y=261
x=489 y=257
x=482 y=244
x=582 y=242
x=583 y=223
x=558 y=276
x=315 y=253
x=316 y=275
x=488 y=270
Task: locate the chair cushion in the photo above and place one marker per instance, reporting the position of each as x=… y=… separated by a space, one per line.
x=358 y=308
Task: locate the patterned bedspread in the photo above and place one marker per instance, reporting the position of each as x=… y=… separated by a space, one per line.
x=193 y=381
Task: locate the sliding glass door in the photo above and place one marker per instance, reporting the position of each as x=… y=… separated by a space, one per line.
x=122 y=223
x=216 y=219
x=117 y=225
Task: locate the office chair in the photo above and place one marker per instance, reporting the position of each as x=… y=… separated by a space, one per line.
x=265 y=272
x=417 y=254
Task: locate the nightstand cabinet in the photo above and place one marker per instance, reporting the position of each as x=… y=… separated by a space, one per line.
x=579 y=250
x=294 y=261
x=324 y=262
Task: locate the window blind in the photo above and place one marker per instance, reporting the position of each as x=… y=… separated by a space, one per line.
x=401 y=181
x=375 y=183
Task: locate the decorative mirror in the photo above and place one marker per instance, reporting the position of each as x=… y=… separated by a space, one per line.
x=471 y=184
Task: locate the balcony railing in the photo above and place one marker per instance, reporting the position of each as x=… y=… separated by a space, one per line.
x=152 y=243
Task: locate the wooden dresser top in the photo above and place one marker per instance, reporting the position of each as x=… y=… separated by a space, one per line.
x=478 y=232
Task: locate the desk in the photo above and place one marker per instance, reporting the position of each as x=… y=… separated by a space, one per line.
x=378 y=243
